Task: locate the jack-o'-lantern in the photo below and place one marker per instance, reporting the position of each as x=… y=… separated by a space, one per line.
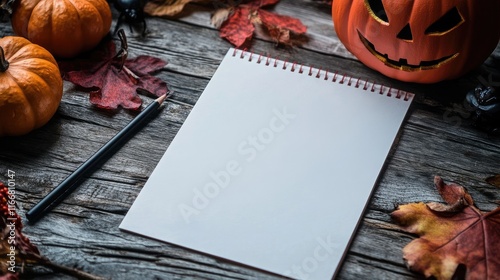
x=419 y=40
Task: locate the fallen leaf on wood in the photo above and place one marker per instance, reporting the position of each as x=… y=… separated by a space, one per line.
x=113 y=80
x=166 y=7
x=494 y=180
x=236 y=19
x=281 y=27
x=452 y=235
x=239 y=28
x=220 y=16
x=16 y=249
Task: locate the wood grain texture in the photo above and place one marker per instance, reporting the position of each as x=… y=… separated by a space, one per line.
x=436 y=139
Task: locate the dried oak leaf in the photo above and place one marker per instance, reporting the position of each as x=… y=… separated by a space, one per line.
x=166 y=7
x=494 y=180
x=451 y=235
x=111 y=84
x=239 y=27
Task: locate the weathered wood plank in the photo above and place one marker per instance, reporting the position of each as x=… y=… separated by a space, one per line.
x=436 y=139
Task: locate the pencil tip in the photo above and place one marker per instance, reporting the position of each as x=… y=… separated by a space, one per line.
x=161 y=98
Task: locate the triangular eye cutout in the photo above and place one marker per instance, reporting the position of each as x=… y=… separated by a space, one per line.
x=377 y=10
x=446 y=23
x=405 y=33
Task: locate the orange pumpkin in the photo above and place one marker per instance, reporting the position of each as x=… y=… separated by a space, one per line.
x=30 y=86
x=419 y=40
x=65 y=28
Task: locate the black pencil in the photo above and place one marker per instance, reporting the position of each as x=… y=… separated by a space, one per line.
x=70 y=183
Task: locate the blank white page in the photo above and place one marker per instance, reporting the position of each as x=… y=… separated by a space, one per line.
x=272 y=168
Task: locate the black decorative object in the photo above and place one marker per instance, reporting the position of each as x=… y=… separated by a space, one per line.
x=132 y=11
x=484 y=104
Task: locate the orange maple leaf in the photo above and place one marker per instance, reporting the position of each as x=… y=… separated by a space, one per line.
x=451 y=235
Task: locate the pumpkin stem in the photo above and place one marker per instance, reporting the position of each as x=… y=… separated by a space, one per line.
x=4 y=64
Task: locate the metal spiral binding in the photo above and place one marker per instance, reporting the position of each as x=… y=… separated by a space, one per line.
x=325 y=74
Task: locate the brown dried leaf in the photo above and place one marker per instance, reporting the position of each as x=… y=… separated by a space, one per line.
x=220 y=16
x=456 y=197
x=494 y=180
x=165 y=7
x=451 y=238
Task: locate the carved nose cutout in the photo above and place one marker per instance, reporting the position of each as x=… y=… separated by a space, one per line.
x=405 y=33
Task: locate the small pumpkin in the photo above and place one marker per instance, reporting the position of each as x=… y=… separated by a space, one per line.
x=65 y=28
x=419 y=40
x=31 y=86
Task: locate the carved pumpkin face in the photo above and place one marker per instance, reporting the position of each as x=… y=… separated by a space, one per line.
x=419 y=40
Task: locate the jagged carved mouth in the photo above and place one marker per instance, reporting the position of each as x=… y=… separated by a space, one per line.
x=402 y=64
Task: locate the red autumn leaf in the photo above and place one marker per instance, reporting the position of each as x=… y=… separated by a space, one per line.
x=238 y=28
x=280 y=26
x=451 y=235
x=110 y=84
x=281 y=22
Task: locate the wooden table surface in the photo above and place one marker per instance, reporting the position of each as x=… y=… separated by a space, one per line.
x=436 y=139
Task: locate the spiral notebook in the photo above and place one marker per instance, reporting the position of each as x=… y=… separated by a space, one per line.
x=273 y=167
